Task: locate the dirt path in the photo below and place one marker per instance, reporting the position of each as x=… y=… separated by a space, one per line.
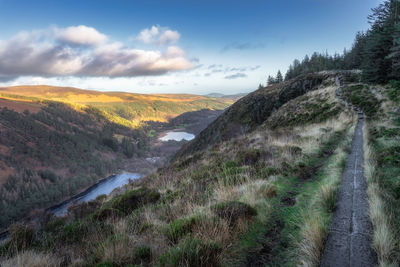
x=349 y=241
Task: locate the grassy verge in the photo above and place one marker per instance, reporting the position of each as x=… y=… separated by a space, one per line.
x=299 y=216
x=321 y=201
x=381 y=216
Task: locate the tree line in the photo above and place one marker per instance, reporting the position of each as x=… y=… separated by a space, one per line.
x=376 y=52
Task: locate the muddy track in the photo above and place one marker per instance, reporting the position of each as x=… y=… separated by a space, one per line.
x=349 y=242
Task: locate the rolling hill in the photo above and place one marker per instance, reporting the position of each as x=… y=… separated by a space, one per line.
x=128 y=109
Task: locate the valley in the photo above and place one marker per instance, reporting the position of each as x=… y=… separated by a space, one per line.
x=261 y=184
x=54 y=147
x=169 y=163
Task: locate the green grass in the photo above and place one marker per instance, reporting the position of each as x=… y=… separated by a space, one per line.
x=280 y=237
x=361 y=96
x=304 y=110
x=181 y=227
x=191 y=252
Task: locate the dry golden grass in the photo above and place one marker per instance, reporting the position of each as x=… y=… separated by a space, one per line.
x=31 y=258
x=313 y=235
x=384 y=242
x=315 y=223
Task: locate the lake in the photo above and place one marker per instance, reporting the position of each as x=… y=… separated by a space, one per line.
x=177 y=136
x=104 y=187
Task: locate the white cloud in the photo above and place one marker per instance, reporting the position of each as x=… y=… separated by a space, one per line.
x=81 y=35
x=169 y=37
x=147 y=35
x=59 y=52
x=158 y=35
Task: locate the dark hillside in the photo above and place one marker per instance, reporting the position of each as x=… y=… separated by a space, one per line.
x=49 y=155
x=252 y=110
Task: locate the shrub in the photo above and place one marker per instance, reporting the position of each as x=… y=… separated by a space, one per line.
x=74 y=232
x=181 y=227
x=249 y=157
x=111 y=143
x=191 y=252
x=54 y=224
x=134 y=199
x=394 y=91
x=48 y=175
x=232 y=211
x=21 y=236
x=105 y=213
x=363 y=98
x=143 y=253
x=81 y=210
x=268 y=171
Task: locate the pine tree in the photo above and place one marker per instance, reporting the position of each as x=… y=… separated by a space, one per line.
x=394 y=56
x=279 y=77
x=270 y=80
x=376 y=63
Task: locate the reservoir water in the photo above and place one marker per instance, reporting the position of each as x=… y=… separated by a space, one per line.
x=177 y=136
x=104 y=187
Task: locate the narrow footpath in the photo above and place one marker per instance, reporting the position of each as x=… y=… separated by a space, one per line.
x=349 y=242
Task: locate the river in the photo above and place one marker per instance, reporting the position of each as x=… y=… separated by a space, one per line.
x=105 y=186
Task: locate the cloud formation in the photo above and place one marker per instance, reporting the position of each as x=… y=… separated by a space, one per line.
x=242 y=46
x=236 y=76
x=229 y=72
x=158 y=35
x=84 y=51
x=81 y=35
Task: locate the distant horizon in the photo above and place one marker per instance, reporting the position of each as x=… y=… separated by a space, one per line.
x=119 y=91
x=175 y=47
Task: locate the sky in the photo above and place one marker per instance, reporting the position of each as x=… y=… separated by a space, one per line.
x=174 y=46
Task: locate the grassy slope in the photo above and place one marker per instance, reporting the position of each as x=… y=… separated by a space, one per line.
x=252 y=110
x=263 y=197
x=382 y=161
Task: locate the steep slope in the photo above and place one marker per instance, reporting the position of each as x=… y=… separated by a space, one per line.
x=264 y=196
x=253 y=110
x=50 y=151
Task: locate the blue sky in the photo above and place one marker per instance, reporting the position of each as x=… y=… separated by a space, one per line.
x=168 y=46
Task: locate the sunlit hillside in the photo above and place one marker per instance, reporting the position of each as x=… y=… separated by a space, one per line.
x=127 y=109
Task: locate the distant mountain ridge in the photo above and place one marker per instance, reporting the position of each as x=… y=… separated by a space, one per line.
x=129 y=109
x=219 y=95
